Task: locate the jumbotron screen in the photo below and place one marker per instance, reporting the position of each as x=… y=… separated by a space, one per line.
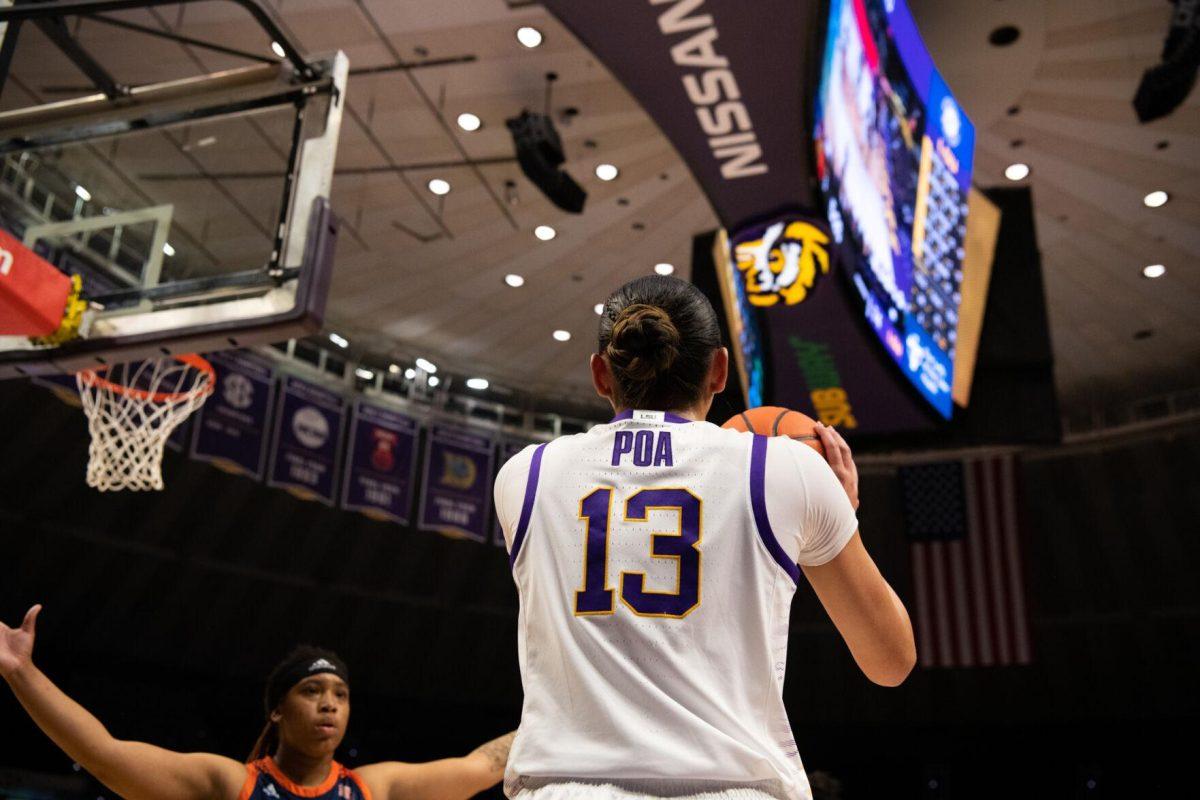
x=894 y=157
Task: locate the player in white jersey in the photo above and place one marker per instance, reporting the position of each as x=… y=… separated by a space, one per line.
x=656 y=558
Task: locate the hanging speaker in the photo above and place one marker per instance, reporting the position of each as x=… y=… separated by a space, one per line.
x=540 y=154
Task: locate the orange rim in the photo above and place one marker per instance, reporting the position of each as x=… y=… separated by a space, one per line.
x=92 y=378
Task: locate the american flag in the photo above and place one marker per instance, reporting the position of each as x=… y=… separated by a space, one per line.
x=962 y=526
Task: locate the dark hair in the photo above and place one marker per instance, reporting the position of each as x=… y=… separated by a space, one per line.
x=658 y=335
x=281 y=680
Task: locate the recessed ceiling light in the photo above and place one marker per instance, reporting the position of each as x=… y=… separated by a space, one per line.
x=433 y=381
x=545 y=232
x=1156 y=199
x=562 y=335
x=394 y=369
x=477 y=383
x=607 y=172
x=439 y=186
x=277 y=49
x=1016 y=172
x=469 y=122
x=514 y=280
x=1154 y=270
x=427 y=365
x=599 y=309
x=339 y=340
x=664 y=269
x=530 y=37
x=83 y=193
x=410 y=373
x=167 y=249
x=365 y=374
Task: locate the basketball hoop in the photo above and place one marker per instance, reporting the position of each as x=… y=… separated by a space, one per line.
x=132 y=409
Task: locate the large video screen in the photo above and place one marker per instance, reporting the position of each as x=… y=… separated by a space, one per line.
x=894 y=157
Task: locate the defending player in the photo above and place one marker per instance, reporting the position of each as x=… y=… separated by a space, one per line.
x=308 y=706
x=656 y=559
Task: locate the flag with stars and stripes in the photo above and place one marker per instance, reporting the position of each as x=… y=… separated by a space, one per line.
x=964 y=539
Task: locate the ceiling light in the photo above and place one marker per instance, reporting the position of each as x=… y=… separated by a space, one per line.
x=83 y=193
x=1016 y=172
x=410 y=373
x=167 y=249
x=365 y=374
x=206 y=141
x=1156 y=199
x=477 y=383
x=514 y=280
x=394 y=369
x=426 y=365
x=562 y=335
x=599 y=308
x=607 y=172
x=545 y=232
x=1154 y=270
x=469 y=122
x=530 y=37
x=439 y=186
x=339 y=340
x=433 y=381
x=277 y=49
x=664 y=269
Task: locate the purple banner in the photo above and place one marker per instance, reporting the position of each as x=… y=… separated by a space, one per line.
x=457 y=483
x=381 y=463
x=507 y=450
x=307 y=440
x=63 y=386
x=230 y=429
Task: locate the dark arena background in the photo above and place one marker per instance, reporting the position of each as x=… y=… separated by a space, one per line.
x=966 y=234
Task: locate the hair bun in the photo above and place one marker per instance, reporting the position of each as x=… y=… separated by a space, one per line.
x=644 y=344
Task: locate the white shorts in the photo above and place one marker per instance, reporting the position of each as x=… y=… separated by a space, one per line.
x=606 y=791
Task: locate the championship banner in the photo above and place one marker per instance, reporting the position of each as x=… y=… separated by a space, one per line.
x=307 y=440
x=230 y=430
x=457 y=483
x=508 y=449
x=381 y=463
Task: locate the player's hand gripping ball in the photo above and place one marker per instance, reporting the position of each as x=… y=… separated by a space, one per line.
x=775 y=421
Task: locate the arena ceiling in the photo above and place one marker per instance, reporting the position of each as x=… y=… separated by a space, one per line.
x=419 y=275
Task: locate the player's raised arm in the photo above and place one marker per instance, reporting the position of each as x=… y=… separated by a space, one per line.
x=865 y=609
x=134 y=770
x=445 y=779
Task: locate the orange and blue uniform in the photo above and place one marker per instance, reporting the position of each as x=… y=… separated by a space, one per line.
x=265 y=781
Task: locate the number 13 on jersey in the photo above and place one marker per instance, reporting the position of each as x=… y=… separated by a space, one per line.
x=596 y=596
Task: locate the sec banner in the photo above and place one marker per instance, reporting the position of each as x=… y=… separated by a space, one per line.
x=307 y=440
x=381 y=463
x=457 y=483
x=230 y=430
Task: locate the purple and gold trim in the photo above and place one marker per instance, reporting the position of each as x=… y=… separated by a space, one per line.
x=758 y=503
x=531 y=484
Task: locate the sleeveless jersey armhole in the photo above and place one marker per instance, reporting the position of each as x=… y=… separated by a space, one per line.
x=758 y=504
x=360 y=783
x=531 y=484
x=248 y=784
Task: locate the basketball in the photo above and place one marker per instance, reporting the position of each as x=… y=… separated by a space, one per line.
x=776 y=421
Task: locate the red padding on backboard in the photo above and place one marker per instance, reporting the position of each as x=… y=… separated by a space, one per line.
x=33 y=293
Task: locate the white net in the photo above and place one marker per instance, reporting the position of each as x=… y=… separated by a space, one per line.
x=131 y=411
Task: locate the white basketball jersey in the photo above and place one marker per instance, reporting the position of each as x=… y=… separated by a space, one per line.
x=656 y=560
